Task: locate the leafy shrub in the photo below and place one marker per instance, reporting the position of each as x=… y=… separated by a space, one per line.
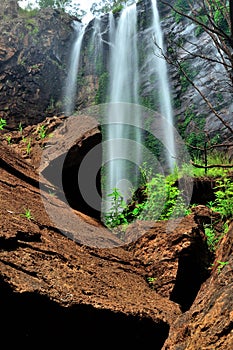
x=115 y=216
x=212 y=240
x=163 y=201
x=224 y=197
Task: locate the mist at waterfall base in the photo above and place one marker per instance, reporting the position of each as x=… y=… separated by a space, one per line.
x=123 y=129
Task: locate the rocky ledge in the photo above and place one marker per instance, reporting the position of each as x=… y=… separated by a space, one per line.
x=163 y=290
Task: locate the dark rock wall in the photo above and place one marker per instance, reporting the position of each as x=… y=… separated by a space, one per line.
x=33 y=57
x=190 y=48
x=34 y=53
x=191 y=113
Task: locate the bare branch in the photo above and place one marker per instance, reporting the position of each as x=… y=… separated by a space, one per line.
x=177 y=64
x=209 y=104
x=211 y=165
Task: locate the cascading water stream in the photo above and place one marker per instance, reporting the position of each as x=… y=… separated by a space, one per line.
x=122 y=116
x=122 y=130
x=71 y=81
x=164 y=89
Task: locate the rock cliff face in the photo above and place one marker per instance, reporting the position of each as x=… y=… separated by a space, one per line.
x=185 y=42
x=199 y=58
x=33 y=54
x=9 y=8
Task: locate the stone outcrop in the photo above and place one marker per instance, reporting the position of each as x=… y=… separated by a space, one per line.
x=199 y=57
x=163 y=290
x=34 y=54
x=9 y=8
x=209 y=322
x=57 y=290
x=33 y=58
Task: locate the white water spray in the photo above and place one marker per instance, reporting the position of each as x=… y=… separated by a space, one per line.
x=124 y=79
x=164 y=89
x=71 y=81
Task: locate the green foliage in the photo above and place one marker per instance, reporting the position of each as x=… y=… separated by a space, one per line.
x=42 y=132
x=164 y=200
x=117 y=8
x=222 y=204
x=220 y=13
x=115 y=216
x=27 y=214
x=212 y=240
x=212 y=158
x=28 y=12
x=61 y=4
x=28 y=147
x=203 y=19
x=181 y=6
x=191 y=73
x=217 y=13
x=221 y=264
x=3 y=123
x=148 y=102
x=105 y=6
x=224 y=197
x=151 y=281
x=64 y=5
x=20 y=128
x=8 y=138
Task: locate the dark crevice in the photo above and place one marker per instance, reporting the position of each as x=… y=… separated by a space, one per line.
x=192 y=272
x=30 y=319
x=8 y=244
x=16 y=267
x=203 y=191
x=28 y=236
x=12 y=170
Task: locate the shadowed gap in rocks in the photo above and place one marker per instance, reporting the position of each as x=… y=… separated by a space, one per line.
x=30 y=319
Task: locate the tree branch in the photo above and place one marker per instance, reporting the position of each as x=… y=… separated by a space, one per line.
x=211 y=165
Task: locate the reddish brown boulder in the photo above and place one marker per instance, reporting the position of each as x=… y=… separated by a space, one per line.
x=163 y=290
x=209 y=322
x=57 y=291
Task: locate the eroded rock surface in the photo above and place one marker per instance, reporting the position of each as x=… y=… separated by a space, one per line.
x=57 y=290
x=209 y=322
x=33 y=58
x=54 y=287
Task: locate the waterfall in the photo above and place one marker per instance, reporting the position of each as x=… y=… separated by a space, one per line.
x=71 y=81
x=123 y=119
x=164 y=89
x=123 y=125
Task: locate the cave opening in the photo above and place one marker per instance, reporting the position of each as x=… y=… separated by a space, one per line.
x=63 y=173
x=73 y=189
